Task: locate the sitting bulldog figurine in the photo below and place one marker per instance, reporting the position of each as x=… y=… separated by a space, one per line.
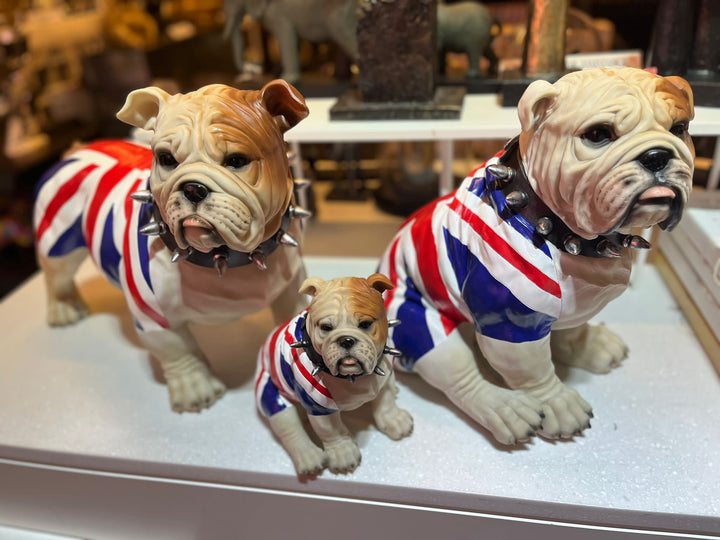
x=332 y=357
x=189 y=229
x=535 y=242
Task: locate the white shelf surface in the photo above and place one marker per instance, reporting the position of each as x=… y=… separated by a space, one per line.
x=482 y=118
x=89 y=446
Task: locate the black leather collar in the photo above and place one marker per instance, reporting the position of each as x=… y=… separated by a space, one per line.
x=234 y=258
x=511 y=180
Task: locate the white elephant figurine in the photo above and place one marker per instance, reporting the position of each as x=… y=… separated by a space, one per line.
x=315 y=21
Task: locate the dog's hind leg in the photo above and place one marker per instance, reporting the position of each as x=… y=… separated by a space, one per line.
x=307 y=457
x=64 y=305
x=511 y=416
x=594 y=348
x=393 y=421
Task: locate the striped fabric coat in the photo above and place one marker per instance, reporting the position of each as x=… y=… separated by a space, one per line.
x=83 y=202
x=461 y=260
x=283 y=376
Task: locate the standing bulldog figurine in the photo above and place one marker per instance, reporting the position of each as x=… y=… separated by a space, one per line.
x=189 y=229
x=332 y=357
x=535 y=243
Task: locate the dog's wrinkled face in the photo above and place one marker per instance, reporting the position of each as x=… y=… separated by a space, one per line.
x=347 y=323
x=609 y=149
x=220 y=174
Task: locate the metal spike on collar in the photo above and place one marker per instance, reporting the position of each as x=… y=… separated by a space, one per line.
x=544 y=226
x=221 y=263
x=144 y=196
x=259 y=259
x=517 y=199
x=636 y=242
x=154 y=228
x=180 y=255
x=393 y=323
x=501 y=172
x=391 y=351
x=379 y=371
x=573 y=245
x=286 y=240
x=291 y=157
x=298 y=212
x=300 y=344
x=608 y=249
x=315 y=371
x=301 y=183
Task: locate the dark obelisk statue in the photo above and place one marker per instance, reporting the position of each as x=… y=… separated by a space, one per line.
x=397 y=43
x=397 y=65
x=686 y=42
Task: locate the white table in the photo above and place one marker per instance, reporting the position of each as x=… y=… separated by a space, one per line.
x=481 y=118
x=89 y=447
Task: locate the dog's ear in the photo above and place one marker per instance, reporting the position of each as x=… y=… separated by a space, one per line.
x=684 y=87
x=311 y=286
x=284 y=103
x=535 y=104
x=142 y=107
x=379 y=282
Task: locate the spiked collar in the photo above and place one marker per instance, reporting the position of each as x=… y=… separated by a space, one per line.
x=222 y=257
x=317 y=361
x=509 y=178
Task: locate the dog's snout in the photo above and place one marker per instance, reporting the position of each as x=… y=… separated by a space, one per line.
x=346 y=342
x=655 y=159
x=195 y=192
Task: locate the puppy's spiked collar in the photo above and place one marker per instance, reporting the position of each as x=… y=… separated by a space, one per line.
x=319 y=365
x=508 y=176
x=220 y=258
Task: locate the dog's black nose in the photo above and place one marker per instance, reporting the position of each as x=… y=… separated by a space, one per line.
x=346 y=342
x=194 y=192
x=655 y=159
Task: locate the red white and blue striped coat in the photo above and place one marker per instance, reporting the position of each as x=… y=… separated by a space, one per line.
x=84 y=202
x=284 y=374
x=459 y=260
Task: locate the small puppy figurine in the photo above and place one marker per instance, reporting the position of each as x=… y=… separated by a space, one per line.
x=330 y=358
x=188 y=229
x=535 y=243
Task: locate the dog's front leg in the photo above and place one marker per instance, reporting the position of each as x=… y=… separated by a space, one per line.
x=594 y=348
x=528 y=366
x=306 y=456
x=511 y=416
x=342 y=451
x=191 y=385
x=393 y=421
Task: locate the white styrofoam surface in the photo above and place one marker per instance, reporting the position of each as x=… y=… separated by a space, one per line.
x=89 y=397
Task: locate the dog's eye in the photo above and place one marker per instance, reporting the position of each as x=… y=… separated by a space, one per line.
x=599 y=135
x=236 y=161
x=166 y=160
x=326 y=327
x=679 y=129
x=365 y=325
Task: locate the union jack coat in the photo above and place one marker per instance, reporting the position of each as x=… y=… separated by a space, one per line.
x=84 y=202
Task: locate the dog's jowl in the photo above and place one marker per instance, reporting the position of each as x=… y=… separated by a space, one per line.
x=536 y=242
x=193 y=229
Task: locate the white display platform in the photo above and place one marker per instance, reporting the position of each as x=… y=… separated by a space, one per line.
x=482 y=118
x=90 y=448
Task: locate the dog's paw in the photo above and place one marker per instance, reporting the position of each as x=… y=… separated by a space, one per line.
x=194 y=391
x=310 y=460
x=66 y=311
x=343 y=455
x=595 y=348
x=566 y=412
x=512 y=416
x=396 y=423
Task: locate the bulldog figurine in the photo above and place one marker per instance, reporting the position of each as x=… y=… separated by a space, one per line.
x=189 y=230
x=536 y=242
x=331 y=357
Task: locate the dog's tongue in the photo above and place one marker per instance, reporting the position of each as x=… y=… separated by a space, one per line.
x=195 y=221
x=657 y=192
